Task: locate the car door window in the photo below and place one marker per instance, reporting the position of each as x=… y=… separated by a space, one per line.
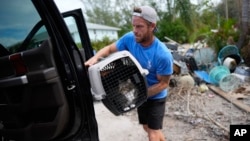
x=39 y=34
x=16 y=22
x=72 y=27
x=13 y=33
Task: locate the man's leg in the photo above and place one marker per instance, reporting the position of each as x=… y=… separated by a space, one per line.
x=154 y=135
x=151 y=115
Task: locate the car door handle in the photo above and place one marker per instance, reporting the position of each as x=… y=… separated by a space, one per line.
x=21 y=80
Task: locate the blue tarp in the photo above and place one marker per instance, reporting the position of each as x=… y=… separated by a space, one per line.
x=203 y=75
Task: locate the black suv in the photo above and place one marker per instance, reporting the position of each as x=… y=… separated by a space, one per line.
x=45 y=91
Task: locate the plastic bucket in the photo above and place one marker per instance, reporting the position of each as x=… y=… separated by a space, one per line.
x=229 y=51
x=218 y=73
x=230 y=82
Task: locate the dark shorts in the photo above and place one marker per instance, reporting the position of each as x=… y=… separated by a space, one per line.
x=152 y=112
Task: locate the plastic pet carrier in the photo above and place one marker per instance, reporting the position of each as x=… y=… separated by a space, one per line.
x=119 y=81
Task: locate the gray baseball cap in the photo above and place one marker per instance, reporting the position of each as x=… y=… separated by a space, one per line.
x=146 y=12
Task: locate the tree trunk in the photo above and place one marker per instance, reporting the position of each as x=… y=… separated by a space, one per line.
x=244 y=23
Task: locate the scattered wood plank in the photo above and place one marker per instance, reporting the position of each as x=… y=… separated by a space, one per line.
x=230 y=98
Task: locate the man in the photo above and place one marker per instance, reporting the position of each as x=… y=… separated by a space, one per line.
x=153 y=55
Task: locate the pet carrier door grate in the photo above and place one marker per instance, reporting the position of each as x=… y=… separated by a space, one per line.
x=119 y=81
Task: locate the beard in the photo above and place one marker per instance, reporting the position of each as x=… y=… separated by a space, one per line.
x=142 y=38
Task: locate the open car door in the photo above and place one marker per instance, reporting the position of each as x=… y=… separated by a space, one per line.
x=44 y=88
x=46 y=92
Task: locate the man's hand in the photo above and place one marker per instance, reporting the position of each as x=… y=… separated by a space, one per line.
x=104 y=52
x=93 y=60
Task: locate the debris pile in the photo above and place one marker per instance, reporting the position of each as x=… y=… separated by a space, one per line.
x=211 y=92
x=225 y=69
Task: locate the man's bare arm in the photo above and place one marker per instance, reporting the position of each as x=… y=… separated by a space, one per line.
x=163 y=84
x=104 y=52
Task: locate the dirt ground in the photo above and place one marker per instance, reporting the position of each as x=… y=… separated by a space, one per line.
x=190 y=116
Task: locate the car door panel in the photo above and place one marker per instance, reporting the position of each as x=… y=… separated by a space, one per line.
x=32 y=105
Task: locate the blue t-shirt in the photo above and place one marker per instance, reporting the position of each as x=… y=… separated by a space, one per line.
x=156 y=58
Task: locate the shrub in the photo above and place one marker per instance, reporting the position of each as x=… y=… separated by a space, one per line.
x=97 y=45
x=174 y=30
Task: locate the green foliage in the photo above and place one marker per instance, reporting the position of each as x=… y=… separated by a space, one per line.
x=14 y=48
x=199 y=34
x=174 y=30
x=79 y=45
x=203 y=25
x=181 y=20
x=97 y=45
x=184 y=9
x=210 y=18
x=112 y=13
x=219 y=39
x=124 y=30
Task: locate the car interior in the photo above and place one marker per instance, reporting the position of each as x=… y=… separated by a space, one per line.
x=40 y=101
x=33 y=102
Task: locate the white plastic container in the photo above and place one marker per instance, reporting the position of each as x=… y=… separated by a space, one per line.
x=119 y=81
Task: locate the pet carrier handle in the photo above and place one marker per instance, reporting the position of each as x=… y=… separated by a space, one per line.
x=117 y=55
